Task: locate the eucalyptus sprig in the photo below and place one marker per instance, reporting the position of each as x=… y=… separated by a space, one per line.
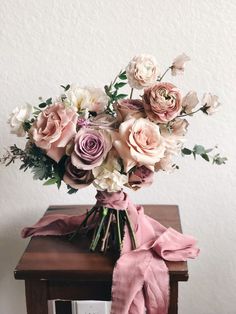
x=112 y=90
x=204 y=153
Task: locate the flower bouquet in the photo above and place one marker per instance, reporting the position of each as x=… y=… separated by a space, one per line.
x=110 y=139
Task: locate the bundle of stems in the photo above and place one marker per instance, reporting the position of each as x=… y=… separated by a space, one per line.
x=108 y=226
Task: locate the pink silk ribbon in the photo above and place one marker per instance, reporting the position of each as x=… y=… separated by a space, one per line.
x=140 y=277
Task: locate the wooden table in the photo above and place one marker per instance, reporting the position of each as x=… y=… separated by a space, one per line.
x=54 y=268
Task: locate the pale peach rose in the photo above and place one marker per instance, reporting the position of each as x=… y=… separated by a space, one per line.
x=211 y=103
x=162 y=102
x=139 y=143
x=142 y=71
x=179 y=64
x=189 y=102
x=129 y=108
x=54 y=128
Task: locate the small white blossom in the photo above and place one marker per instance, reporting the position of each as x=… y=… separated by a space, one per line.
x=91 y=99
x=179 y=64
x=16 y=119
x=190 y=101
x=210 y=103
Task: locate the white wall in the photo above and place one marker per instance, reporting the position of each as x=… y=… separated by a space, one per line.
x=47 y=43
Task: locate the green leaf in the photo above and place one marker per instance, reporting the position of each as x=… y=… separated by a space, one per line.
x=199 y=149
x=186 y=151
x=50 y=181
x=71 y=190
x=205 y=156
x=42 y=105
x=123 y=76
x=119 y=85
x=26 y=125
x=121 y=96
x=49 y=101
x=65 y=87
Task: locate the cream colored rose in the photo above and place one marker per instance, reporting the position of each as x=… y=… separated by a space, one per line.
x=92 y=99
x=139 y=143
x=211 y=103
x=16 y=119
x=108 y=176
x=179 y=64
x=189 y=102
x=142 y=71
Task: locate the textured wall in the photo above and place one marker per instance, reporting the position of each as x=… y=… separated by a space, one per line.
x=47 y=43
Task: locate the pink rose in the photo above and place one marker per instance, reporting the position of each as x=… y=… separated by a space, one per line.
x=104 y=121
x=129 y=108
x=139 y=143
x=91 y=148
x=54 y=128
x=162 y=102
x=140 y=177
x=77 y=178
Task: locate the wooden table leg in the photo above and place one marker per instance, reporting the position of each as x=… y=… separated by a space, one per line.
x=173 y=306
x=36 y=293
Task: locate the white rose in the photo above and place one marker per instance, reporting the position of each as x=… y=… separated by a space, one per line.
x=108 y=176
x=91 y=99
x=179 y=64
x=18 y=116
x=210 y=103
x=190 y=101
x=142 y=71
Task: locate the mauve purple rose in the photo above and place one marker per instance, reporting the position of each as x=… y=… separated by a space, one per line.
x=77 y=178
x=91 y=147
x=141 y=177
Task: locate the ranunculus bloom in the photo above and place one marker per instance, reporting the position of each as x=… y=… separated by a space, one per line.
x=211 y=103
x=77 y=178
x=162 y=102
x=140 y=177
x=16 y=119
x=129 y=108
x=142 y=71
x=54 y=128
x=189 y=102
x=91 y=148
x=90 y=98
x=139 y=143
x=178 y=64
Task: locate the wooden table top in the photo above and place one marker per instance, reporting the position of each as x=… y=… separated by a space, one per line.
x=55 y=258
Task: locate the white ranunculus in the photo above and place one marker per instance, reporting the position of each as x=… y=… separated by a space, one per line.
x=142 y=71
x=18 y=116
x=190 y=101
x=179 y=64
x=92 y=99
x=108 y=176
x=210 y=103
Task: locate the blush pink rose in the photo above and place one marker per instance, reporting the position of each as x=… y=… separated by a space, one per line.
x=54 y=128
x=139 y=143
x=162 y=102
x=91 y=147
x=140 y=177
x=77 y=178
x=129 y=108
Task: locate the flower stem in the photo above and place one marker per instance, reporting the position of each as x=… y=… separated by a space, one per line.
x=104 y=240
x=159 y=79
x=131 y=93
x=118 y=227
x=132 y=235
x=190 y=114
x=98 y=233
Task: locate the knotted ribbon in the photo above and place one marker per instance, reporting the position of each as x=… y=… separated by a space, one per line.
x=140 y=276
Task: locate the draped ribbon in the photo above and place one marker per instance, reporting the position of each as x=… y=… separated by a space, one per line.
x=140 y=277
